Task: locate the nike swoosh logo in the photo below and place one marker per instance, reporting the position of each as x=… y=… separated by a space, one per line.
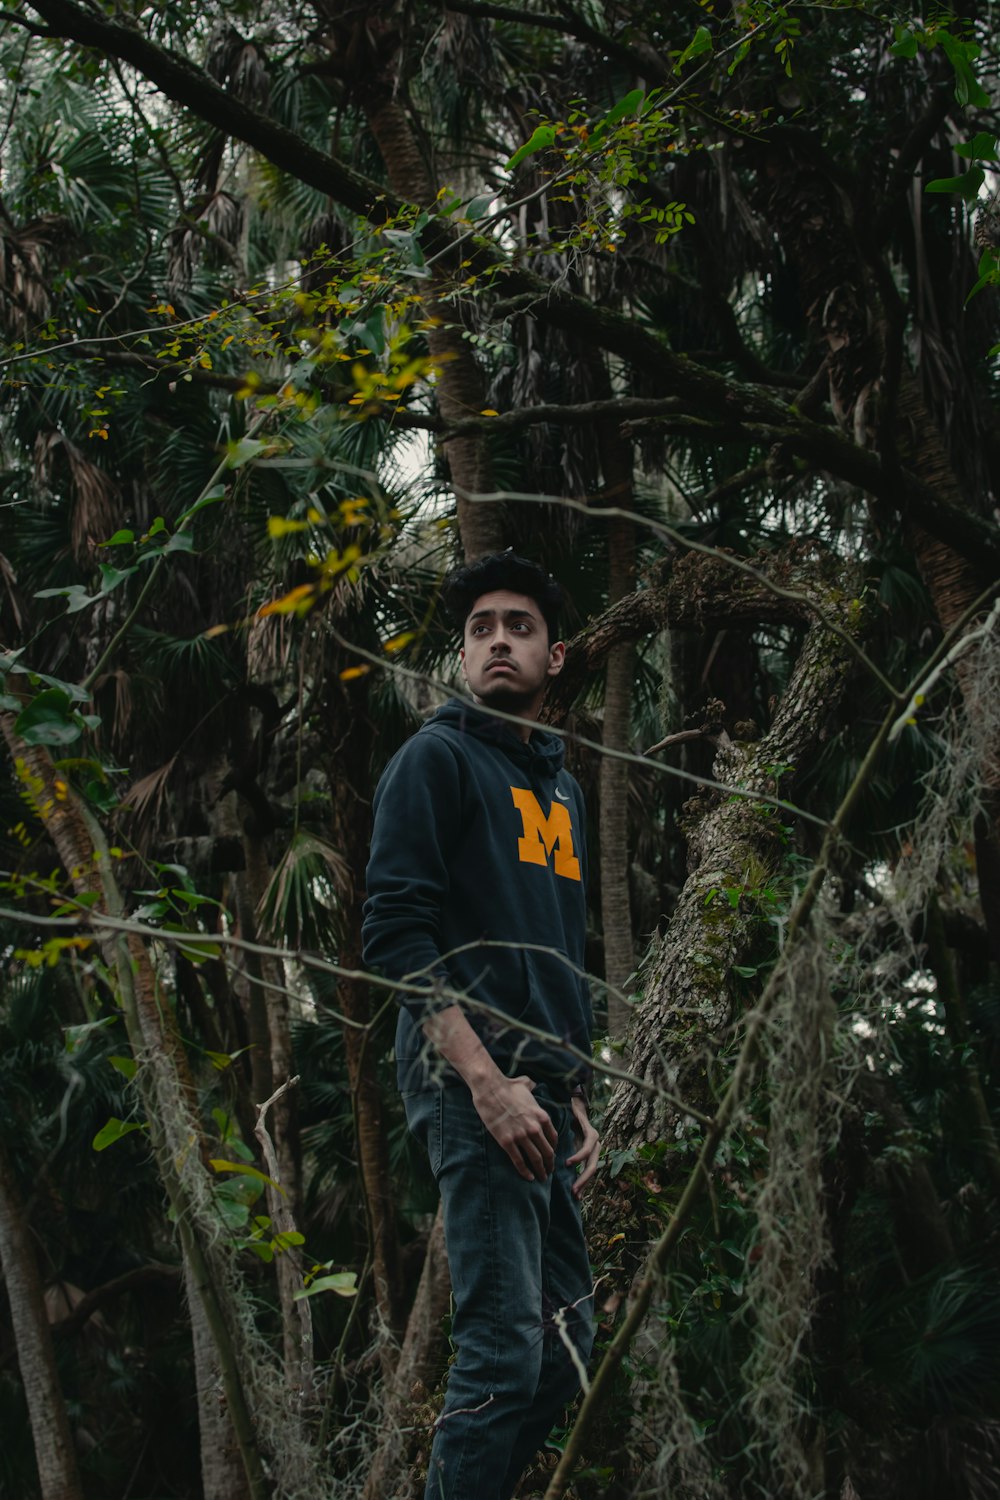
x=561 y=795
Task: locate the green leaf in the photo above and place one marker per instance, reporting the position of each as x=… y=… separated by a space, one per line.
x=77 y=1035
x=73 y=691
x=213 y=495
x=76 y=597
x=220 y=1165
x=244 y=452
x=158 y=525
x=982 y=147
x=193 y=947
x=699 y=43
x=232 y=1212
x=962 y=55
x=905 y=44
x=989 y=274
x=344 y=1283
x=126 y=1066
x=114 y=1130
x=627 y=105
x=287 y=1238
x=478 y=208
x=112 y=577
x=542 y=137
x=967 y=185
x=119 y=539
x=181 y=541
x=48 y=720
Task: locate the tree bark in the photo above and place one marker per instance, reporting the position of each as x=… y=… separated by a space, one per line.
x=164 y=1077
x=724 y=912
x=58 y=1477
x=616 y=906
x=461 y=387
x=269 y=981
x=222 y=1475
x=418 y=1368
x=350 y=781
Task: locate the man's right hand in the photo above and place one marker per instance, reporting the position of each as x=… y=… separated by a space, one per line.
x=518 y=1124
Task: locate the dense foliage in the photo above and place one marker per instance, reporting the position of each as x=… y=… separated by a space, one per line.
x=698 y=306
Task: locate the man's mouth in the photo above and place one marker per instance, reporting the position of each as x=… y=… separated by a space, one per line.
x=501 y=666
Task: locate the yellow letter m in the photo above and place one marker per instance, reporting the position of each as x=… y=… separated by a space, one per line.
x=545 y=836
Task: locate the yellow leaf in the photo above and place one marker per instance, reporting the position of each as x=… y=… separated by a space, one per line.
x=213 y=631
x=281 y=526
x=297 y=599
x=399 y=641
x=489 y=412
x=349 y=673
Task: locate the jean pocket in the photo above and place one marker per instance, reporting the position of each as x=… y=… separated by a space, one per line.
x=424 y=1117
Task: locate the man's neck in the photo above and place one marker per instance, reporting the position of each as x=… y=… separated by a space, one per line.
x=530 y=711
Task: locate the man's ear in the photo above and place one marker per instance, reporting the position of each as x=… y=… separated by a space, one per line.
x=461 y=658
x=557 y=658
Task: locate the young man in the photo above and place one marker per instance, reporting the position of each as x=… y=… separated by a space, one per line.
x=476 y=890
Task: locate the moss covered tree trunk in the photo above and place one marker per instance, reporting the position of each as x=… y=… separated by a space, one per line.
x=729 y=910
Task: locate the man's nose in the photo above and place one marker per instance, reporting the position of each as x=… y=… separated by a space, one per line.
x=499 y=641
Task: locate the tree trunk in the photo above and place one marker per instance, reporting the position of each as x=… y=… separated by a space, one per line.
x=724 y=914
x=350 y=780
x=267 y=976
x=58 y=1478
x=461 y=388
x=420 y=1361
x=222 y=1474
x=164 y=1077
x=616 y=906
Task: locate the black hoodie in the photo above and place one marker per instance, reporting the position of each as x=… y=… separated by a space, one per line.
x=479 y=840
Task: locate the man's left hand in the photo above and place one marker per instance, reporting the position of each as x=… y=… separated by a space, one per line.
x=589 y=1148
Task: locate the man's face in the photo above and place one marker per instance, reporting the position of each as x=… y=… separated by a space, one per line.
x=507 y=658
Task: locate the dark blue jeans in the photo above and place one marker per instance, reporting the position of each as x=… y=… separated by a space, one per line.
x=522 y=1290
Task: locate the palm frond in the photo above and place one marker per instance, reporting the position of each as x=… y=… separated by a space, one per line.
x=299 y=907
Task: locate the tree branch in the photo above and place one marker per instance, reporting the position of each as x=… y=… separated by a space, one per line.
x=188 y=85
x=645 y=60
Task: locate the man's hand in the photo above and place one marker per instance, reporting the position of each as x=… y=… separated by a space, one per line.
x=521 y=1127
x=589 y=1148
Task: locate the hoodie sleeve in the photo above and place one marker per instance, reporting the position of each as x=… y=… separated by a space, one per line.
x=417 y=825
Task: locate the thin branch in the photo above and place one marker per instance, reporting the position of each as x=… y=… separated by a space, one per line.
x=153 y=574
x=668 y=533
x=398 y=987
x=582 y=740
x=951 y=655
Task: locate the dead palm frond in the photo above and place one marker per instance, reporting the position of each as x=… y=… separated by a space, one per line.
x=93 y=491
x=299 y=907
x=145 y=799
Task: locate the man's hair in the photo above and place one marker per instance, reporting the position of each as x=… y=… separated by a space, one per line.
x=502 y=570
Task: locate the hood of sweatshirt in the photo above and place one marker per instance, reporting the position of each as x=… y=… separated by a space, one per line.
x=542 y=755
